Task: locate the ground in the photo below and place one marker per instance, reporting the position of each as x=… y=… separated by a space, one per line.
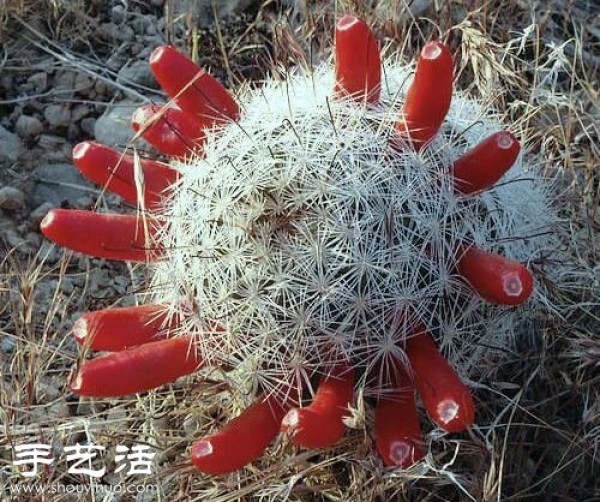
x=72 y=71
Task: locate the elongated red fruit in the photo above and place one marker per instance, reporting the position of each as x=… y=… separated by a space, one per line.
x=137 y=369
x=357 y=61
x=240 y=441
x=497 y=279
x=112 y=236
x=169 y=130
x=120 y=328
x=115 y=171
x=398 y=437
x=194 y=90
x=447 y=400
x=428 y=98
x=484 y=165
x=320 y=425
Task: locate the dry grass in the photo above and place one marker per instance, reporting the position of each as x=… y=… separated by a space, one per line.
x=539 y=432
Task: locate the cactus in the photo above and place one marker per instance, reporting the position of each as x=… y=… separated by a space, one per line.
x=315 y=236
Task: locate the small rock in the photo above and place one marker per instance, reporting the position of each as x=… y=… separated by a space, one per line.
x=84 y=202
x=137 y=72
x=7 y=344
x=83 y=83
x=100 y=87
x=58 y=116
x=87 y=125
x=56 y=148
x=6 y=222
x=80 y=111
x=6 y=82
x=39 y=81
x=116 y=61
x=73 y=132
x=204 y=10
x=11 y=198
x=28 y=126
x=113 y=127
x=58 y=184
x=33 y=240
x=50 y=253
x=111 y=32
x=14 y=240
x=99 y=278
x=118 y=14
x=64 y=84
x=38 y=214
x=10 y=146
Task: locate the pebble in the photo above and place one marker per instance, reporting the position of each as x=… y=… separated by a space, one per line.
x=58 y=116
x=79 y=111
x=58 y=184
x=83 y=83
x=15 y=241
x=39 y=81
x=28 y=126
x=10 y=146
x=7 y=344
x=33 y=240
x=56 y=148
x=111 y=32
x=11 y=198
x=137 y=72
x=38 y=214
x=113 y=127
x=118 y=14
x=64 y=84
x=87 y=125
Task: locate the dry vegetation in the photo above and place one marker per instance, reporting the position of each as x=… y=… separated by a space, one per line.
x=539 y=432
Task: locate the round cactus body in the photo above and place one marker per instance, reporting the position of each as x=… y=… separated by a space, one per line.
x=337 y=230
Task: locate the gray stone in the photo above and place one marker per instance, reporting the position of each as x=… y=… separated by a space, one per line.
x=39 y=81
x=87 y=125
x=33 y=239
x=100 y=87
x=15 y=241
x=11 y=198
x=118 y=14
x=28 y=126
x=137 y=72
x=7 y=344
x=111 y=32
x=113 y=128
x=64 y=84
x=58 y=116
x=83 y=83
x=56 y=148
x=79 y=111
x=204 y=10
x=10 y=146
x=38 y=214
x=57 y=184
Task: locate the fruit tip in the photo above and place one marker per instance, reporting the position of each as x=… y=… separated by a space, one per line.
x=347 y=22
x=202 y=449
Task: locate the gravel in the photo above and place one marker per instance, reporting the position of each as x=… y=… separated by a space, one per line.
x=11 y=198
x=28 y=126
x=10 y=147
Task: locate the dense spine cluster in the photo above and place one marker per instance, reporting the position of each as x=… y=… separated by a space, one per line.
x=315 y=236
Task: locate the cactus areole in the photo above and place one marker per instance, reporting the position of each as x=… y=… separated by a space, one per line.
x=361 y=226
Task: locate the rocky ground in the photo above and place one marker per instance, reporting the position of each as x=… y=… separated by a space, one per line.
x=73 y=71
